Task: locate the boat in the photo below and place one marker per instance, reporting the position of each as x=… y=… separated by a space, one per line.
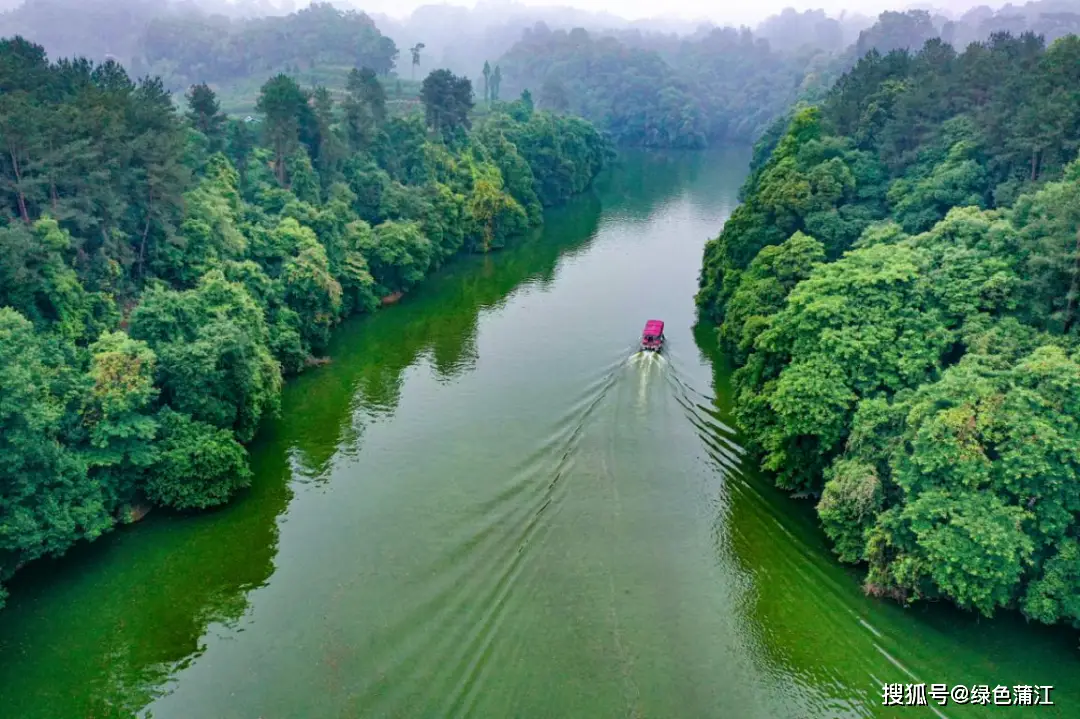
x=652 y=337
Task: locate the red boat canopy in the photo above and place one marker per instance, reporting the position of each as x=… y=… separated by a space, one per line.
x=653 y=328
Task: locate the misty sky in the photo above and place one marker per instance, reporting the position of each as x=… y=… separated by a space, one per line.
x=718 y=11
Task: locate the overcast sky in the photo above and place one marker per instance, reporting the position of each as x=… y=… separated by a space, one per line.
x=719 y=11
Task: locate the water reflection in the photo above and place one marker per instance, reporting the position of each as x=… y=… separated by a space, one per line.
x=828 y=647
x=96 y=633
x=640 y=182
x=440 y=319
x=535 y=498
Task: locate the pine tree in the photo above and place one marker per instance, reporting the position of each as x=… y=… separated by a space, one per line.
x=204 y=113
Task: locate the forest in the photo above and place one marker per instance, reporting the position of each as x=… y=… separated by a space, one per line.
x=900 y=290
x=162 y=269
x=655 y=83
x=726 y=84
x=900 y=285
x=186 y=45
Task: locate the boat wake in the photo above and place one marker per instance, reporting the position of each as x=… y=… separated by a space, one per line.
x=555 y=531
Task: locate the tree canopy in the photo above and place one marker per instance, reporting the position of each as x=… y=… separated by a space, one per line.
x=899 y=287
x=447 y=101
x=161 y=270
x=722 y=84
x=654 y=83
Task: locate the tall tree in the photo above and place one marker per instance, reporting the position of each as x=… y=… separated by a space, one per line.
x=204 y=113
x=333 y=150
x=24 y=144
x=496 y=82
x=157 y=167
x=447 y=100
x=281 y=101
x=415 y=51
x=211 y=343
x=365 y=107
x=199 y=465
x=239 y=143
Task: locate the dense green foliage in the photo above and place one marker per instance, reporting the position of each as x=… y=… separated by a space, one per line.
x=723 y=84
x=900 y=287
x=447 y=101
x=631 y=92
x=193 y=47
x=160 y=273
x=640 y=81
x=185 y=45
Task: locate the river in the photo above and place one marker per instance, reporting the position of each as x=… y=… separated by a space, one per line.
x=487 y=506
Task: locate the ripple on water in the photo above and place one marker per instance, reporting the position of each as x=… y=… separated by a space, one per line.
x=508 y=515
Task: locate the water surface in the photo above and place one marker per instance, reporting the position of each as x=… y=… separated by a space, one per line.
x=488 y=506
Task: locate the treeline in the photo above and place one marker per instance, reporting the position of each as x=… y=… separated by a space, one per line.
x=791 y=30
x=184 y=44
x=900 y=287
x=643 y=83
x=188 y=47
x=632 y=93
x=160 y=274
x=727 y=84
x=1050 y=18
x=461 y=38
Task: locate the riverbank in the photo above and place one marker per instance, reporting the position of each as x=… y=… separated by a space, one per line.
x=483 y=464
x=904 y=329
x=136 y=370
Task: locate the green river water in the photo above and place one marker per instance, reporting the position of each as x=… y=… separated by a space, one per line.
x=487 y=506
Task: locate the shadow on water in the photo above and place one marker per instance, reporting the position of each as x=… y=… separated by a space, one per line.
x=97 y=632
x=639 y=182
x=539 y=532
x=828 y=647
x=93 y=634
x=439 y=320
